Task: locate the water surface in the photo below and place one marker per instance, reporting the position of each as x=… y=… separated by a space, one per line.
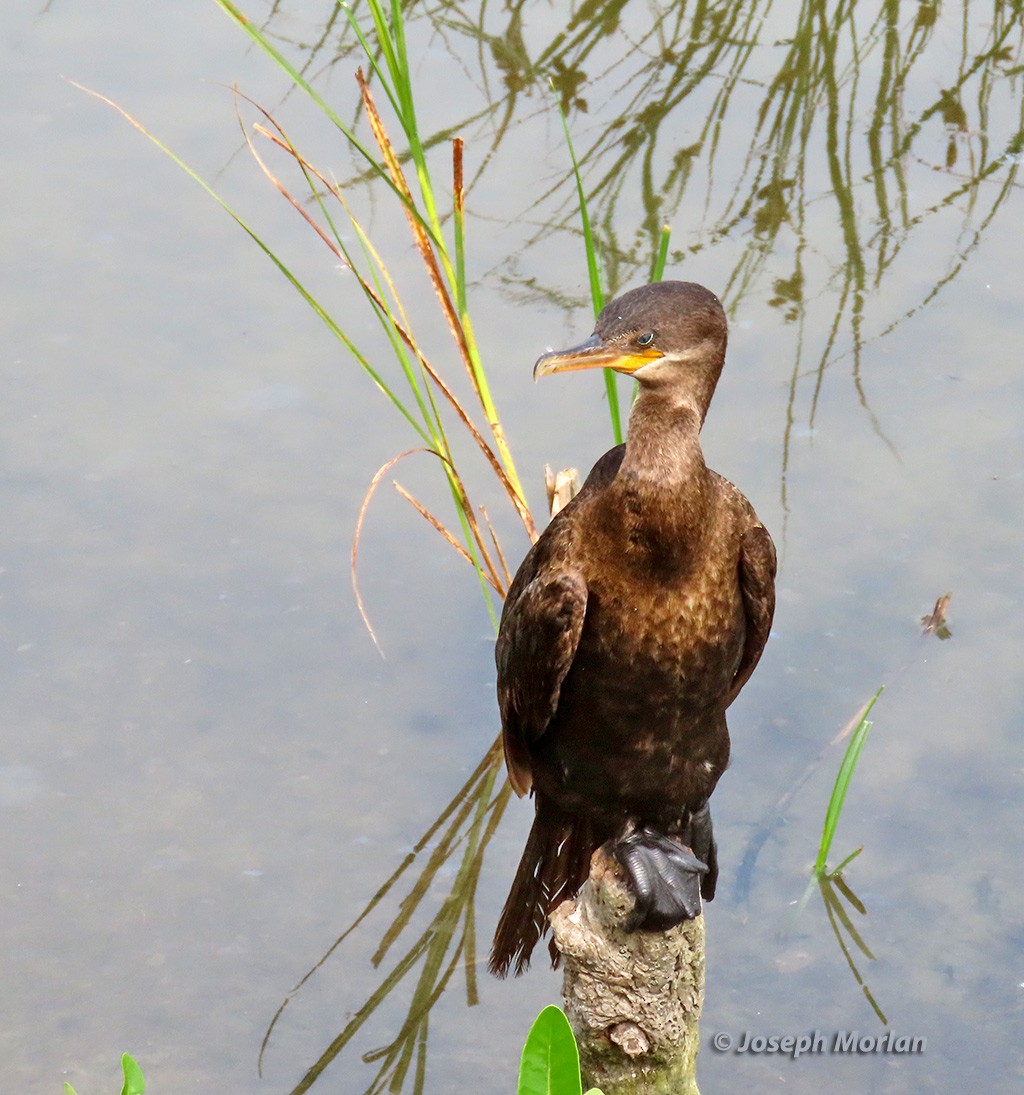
x=206 y=768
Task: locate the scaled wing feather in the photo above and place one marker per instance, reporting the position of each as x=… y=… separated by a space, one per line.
x=540 y=633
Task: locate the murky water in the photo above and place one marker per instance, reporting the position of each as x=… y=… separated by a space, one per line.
x=207 y=771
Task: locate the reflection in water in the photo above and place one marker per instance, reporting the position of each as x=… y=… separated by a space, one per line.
x=935 y=623
x=445 y=947
x=759 y=130
x=832 y=885
x=834 y=891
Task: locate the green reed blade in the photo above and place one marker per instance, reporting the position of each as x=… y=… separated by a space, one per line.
x=661 y=258
x=842 y=784
x=593 y=272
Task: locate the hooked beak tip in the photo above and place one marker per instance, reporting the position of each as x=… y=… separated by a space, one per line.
x=584 y=356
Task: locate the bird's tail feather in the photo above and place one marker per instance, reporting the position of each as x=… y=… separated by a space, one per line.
x=555 y=863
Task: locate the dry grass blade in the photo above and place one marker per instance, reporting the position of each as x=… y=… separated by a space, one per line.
x=491 y=574
x=281 y=141
x=423 y=244
x=506 y=573
x=458 y=190
x=428 y=516
x=857 y=719
x=488 y=571
x=400 y=328
x=489 y=454
x=457 y=324
x=279 y=186
x=370 y=492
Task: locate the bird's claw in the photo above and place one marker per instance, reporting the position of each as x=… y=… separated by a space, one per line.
x=669 y=876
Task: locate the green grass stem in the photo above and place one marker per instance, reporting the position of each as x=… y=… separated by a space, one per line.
x=593 y=273
x=842 y=785
x=447 y=275
x=661 y=256
x=293 y=74
x=398 y=85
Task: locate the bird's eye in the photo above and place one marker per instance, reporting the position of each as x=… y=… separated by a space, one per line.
x=645 y=339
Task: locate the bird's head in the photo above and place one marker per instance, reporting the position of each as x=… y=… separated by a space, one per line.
x=670 y=335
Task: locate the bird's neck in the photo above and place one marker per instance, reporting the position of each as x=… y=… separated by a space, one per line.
x=663 y=452
x=663 y=489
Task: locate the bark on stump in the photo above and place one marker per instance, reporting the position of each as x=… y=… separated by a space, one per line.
x=633 y=999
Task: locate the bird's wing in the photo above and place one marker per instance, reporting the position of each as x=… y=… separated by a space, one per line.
x=540 y=630
x=757 y=586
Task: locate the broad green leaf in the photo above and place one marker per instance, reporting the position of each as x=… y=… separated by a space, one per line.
x=134 y=1084
x=551 y=1062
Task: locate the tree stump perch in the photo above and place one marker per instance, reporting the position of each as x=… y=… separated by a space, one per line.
x=633 y=998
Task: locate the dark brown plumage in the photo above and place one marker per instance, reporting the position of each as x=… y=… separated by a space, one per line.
x=632 y=624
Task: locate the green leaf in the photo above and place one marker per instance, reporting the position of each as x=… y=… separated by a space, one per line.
x=551 y=1062
x=842 y=784
x=68 y=1089
x=596 y=293
x=658 y=266
x=134 y=1084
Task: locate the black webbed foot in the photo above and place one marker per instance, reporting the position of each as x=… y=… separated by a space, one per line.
x=666 y=879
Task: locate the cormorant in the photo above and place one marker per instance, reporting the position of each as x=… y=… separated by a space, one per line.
x=631 y=626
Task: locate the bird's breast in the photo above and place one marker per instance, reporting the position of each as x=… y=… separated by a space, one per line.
x=640 y=723
x=653 y=643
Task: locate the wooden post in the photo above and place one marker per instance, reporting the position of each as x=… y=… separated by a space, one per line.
x=633 y=999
